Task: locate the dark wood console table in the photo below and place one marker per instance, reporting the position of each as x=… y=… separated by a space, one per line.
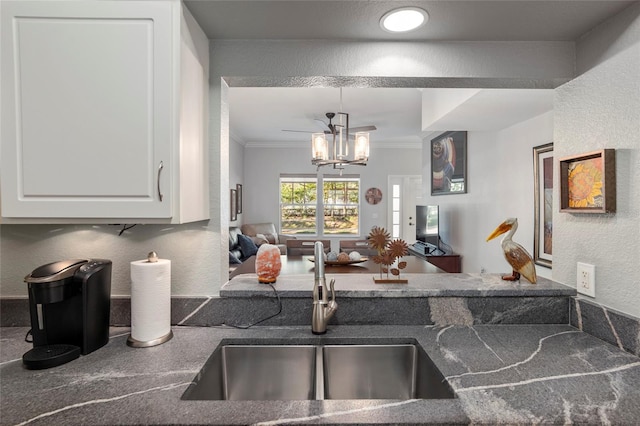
x=448 y=262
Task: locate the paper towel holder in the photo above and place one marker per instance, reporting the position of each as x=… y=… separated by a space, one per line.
x=152 y=257
x=139 y=344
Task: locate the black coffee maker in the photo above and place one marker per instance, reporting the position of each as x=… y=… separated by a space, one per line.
x=69 y=304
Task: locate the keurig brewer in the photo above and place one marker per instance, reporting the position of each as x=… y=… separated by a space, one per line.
x=69 y=305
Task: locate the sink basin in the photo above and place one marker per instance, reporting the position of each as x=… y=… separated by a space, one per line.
x=307 y=372
x=381 y=372
x=241 y=372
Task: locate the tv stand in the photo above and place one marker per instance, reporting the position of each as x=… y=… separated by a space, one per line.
x=447 y=261
x=427 y=249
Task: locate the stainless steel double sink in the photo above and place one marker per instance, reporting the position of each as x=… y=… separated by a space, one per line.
x=315 y=372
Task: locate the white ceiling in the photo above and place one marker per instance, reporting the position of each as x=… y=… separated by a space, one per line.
x=258 y=115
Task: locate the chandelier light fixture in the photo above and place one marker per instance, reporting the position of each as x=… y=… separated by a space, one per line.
x=334 y=151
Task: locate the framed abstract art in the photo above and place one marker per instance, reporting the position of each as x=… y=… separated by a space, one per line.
x=449 y=163
x=233 y=205
x=543 y=204
x=239 y=198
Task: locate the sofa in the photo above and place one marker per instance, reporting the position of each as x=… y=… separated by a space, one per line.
x=244 y=241
x=242 y=246
x=266 y=232
x=234 y=243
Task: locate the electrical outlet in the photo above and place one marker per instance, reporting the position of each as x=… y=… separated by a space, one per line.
x=586 y=282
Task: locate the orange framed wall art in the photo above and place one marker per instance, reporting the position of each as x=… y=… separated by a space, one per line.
x=588 y=182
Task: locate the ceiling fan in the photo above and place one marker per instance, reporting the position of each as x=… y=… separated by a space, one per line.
x=329 y=128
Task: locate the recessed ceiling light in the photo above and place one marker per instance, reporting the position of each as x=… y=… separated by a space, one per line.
x=403 y=19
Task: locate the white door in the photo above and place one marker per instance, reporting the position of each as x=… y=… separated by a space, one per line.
x=406 y=193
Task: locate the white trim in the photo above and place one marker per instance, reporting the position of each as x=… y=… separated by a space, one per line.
x=301 y=145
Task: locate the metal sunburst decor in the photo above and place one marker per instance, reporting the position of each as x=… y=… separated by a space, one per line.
x=388 y=251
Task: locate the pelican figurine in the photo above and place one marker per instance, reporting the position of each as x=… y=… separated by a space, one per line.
x=519 y=259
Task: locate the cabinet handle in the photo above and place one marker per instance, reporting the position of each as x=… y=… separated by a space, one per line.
x=160 y=167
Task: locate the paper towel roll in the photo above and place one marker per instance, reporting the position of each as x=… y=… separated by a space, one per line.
x=150 y=300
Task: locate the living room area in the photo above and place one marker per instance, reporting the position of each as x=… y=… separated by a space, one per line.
x=499 y=160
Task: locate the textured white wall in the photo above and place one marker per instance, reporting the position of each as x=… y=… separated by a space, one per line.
x=236 y=173
x=536 y=64
x=264 y=166
x=601 y=109
x=25 y=247
x=198 y=250
x=500 y=185
x=306 y=63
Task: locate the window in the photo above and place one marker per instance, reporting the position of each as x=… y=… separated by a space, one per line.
x=298 y=205
x=395 y=212
x=302 y=197
x=341 y=198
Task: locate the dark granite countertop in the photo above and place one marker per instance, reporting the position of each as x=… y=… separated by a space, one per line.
x=520 y=374
x=419 y=285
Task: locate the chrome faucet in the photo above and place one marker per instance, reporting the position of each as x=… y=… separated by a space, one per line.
x=323 y=309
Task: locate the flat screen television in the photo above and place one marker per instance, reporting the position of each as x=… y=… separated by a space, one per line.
x=427 y=224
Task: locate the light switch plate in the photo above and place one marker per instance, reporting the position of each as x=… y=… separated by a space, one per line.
x=586 y=279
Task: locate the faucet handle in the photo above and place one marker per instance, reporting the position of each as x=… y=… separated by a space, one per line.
x=333 y=305
x=333 y=292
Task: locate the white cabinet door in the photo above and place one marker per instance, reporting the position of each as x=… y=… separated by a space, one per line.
x=87 y=109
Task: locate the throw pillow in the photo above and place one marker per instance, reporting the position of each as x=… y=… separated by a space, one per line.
x=247 y=246
x=259 y=241
x=233 y=260
x=272 y=238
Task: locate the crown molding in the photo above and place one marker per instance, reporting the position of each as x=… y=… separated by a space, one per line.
x=237 y=138
x=298 y=145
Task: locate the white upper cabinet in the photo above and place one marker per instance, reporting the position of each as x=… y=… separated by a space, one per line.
x=104 y=109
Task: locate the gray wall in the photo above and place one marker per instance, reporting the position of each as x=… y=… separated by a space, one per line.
x=601 y=109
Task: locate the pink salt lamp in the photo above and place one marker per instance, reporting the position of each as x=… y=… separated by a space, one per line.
x=268 y=263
